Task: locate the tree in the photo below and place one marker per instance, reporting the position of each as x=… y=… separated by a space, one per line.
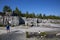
x=44 y=16
x=32 y=15
x=6 y=9
x=40 y=16
x=27 y=14
x=18 y=12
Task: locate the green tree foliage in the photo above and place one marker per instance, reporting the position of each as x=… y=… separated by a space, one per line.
x=18 y=12
x=32 y=15
x=39 y=16
x=6 y=9
x=29 y=15
x=53 y=17
x=44 y=16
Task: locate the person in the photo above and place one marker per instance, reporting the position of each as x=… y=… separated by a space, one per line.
x=8 y=27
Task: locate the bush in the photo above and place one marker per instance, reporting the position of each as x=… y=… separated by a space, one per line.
x=1 y=25
x=43 y=33
x=27 y=35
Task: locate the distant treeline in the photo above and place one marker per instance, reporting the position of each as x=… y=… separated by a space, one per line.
x=17 y=12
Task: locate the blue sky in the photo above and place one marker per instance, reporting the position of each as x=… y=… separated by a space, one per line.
x=48 y=7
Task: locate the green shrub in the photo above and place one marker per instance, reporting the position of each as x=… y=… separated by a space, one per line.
x=1 y=25
x=27 y=35
x=43 y=33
